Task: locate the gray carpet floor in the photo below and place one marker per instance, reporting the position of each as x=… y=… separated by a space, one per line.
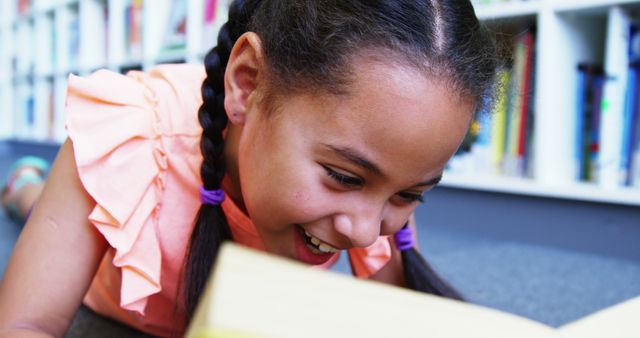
x=548 y=260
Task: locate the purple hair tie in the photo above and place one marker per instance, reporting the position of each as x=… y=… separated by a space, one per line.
x=404 y=238
x=211 y=197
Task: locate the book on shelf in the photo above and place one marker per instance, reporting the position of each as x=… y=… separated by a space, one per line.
x=214 y=16
x=175 y=36
x=504 y=142
x=93 y=46
x=610 y=163
x=518 y=112
x=133 y=18
x=590 y=78
x=23 y=7
x=54 y=55
x=608 y=106
x=105 y=28
x=632 y=129
x=630 y=122
x=596 y=104
x=499 y=117
x=209 y=31
x=73 y=46
x=254 y=294
x=25 y=109
x=628 y=126
x=635 y=159
x=67 y=38
x=525 y=141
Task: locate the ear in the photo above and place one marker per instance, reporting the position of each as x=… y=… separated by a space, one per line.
x=242 y=75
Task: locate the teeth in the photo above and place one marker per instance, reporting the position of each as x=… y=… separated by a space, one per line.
x=322 y=246
x=325 y=248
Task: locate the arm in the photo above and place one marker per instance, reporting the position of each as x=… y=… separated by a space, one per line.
x=54 y=260
x=392 y=272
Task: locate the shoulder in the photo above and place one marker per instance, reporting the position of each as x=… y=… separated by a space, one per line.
x=182 y=81
x=183 y=76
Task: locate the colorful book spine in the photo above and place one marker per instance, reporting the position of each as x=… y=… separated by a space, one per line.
x=23 y=7
x=518 y=107
x=612 y=106
x=209 y=11
x=499 y=121
x=133 y=28
x=525 y=127
x=586 y=116
x=513 y=113
x=209 y=38
x=594 y=140
x=581 y=97
x=175 y=38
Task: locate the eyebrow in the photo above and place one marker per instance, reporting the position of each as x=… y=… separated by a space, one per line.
x=433 y=181
x=359 y=159
x=356 y=158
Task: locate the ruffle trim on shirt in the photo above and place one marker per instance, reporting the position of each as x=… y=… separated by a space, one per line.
x=113 y=122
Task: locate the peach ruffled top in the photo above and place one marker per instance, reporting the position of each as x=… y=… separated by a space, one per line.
x=136 y=143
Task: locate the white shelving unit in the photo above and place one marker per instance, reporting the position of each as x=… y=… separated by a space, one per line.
x=43 y=44
x=508 y=10
x=568 y=32
x=522 y=186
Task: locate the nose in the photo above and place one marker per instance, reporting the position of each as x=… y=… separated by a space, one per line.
x=360 y=225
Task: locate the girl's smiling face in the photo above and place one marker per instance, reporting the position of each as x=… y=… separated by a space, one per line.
x=344 y=168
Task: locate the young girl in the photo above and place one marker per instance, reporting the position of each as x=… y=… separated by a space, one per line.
x=315 y=127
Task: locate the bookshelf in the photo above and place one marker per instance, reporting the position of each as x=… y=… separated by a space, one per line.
x=567 y=33
x=80 y=36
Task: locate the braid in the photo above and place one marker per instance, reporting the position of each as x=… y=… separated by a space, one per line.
x=211 y=227
x=420 y=276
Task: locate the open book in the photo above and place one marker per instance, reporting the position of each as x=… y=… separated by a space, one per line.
x=255 y=295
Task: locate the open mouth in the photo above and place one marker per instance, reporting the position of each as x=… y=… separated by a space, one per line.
x=316 y=245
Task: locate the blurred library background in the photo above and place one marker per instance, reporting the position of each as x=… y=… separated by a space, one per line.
x=538 y=213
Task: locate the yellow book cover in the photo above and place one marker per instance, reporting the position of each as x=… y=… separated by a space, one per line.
x=499 y=124
x=256 y=295
x=514 y=109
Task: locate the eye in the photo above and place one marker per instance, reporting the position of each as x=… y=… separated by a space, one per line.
x=344 y=180
x=408 y=198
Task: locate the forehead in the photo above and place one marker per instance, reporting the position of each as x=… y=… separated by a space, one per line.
x=404 y=120
x=394 y=107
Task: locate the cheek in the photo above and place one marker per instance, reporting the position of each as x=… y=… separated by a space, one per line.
x=278 y=191
x=310 y=203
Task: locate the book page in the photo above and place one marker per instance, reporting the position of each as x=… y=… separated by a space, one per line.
x=620 y=321
x=258 y=295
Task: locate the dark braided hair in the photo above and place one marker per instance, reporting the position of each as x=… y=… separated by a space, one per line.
x=211 y=227
x=308 y=45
